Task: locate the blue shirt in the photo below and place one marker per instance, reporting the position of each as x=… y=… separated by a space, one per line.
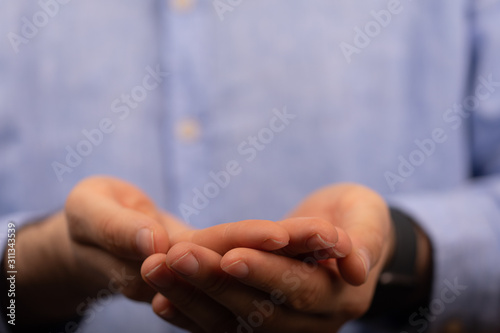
x=223 y=111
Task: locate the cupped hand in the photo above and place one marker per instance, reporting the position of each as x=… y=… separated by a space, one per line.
x=114 y=226
x=308 y=286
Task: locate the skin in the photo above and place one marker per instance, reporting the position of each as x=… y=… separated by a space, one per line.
x=93 y=245
x=204 y=291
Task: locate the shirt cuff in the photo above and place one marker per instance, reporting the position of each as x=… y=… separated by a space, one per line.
x=465 y=234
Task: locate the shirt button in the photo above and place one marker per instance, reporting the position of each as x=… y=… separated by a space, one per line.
x=182 y=5
x=188 y=130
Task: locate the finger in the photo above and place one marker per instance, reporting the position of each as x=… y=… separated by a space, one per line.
x=309 y=234
x=115 y=275
x=190 y=301
x=201 y=268
x=168 y=312
x=257 y=234
x=305 y=286
x=251 y=308
x=368 y=227
x=99 y=219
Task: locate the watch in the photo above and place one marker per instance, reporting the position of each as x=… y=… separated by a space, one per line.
x=398 y=281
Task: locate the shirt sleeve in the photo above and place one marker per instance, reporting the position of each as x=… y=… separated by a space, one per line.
x=20 y=220
x=463 y=223
x=464 y=227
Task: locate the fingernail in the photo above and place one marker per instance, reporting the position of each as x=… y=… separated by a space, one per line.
x=337 y=253
x=237 y=269
x=365 y=258
x=273 y=244
x=330 y=252
x=316 y=242
x=144 y=241
x=186 y=265
x=160 y=276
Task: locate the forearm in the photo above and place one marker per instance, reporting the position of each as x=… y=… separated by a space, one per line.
x=46 y=291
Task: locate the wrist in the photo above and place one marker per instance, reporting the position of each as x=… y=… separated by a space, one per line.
x=46 y=289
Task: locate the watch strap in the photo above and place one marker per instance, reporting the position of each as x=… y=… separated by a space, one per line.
x=398 y=280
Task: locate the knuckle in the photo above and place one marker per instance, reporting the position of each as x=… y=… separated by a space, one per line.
x=306 y=299
x=188 y=299
x=76 y=227
x=141 y=203
x=108 y=233
x=355 y=192
x=319 y=222
x=70 y=210
x=217 y=285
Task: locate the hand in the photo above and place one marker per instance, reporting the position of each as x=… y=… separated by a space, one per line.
x=364 y=216
x=247 y=290
x=118 y=226
x=97 y=244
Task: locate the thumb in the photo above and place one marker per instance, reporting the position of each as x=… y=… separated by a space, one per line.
x=368 y=228
x=97 y=216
